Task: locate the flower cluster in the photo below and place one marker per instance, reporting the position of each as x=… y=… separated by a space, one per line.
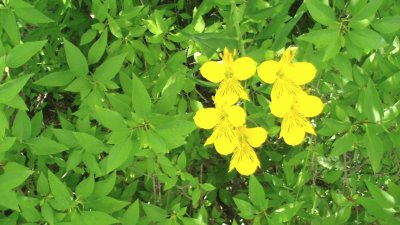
x=288 y=101
x=227 y=119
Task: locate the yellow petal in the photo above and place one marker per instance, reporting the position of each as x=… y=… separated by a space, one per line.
x=255 y=136
x=230 y=90
x=224 y=98
x=283 y=88
x=294 y=127
x=207 y=118
x=294 y=137
x=225 y=146
x=309 y=105
x=301 y=73
x=235 y=115
x=288 y=54
x=225 y=138
x=281 y=106
x=244 y=160
x=268 y=71
x=243 y=68
x=213 y=71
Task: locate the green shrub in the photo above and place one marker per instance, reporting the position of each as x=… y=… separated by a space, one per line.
x=97 y=100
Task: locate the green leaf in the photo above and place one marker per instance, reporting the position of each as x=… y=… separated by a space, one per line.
x=36 y=122
x=89 y=142
x=372 y=106
x=22 y=126
x=141 y=101
x=60 y=192
x=86 y=187
x=106 y=204
x=47 y=213
x=320 y=12
x=366 y=39
x=45 y=146
x=98 y=218
x=374 y=146
x=32 y=15
x=154 y=212
x=14 y=175
x=364 y=17
x=9 y=200
x=132 y=214
x=110 y=67
x=110 y=119
x=21 y=53
x=383 y=198
x=96 y=51
x=6 y=143
x=373 y=208
x=56 y=79
x=8 y=22
x=343 y=144
x=11 y=88
x=114 y=27
x=256 y=193
x=42 y=185
x=118 y=155
x=75 y=59
x=104 y=187
x=247 y=210
x=321 y=37
x=387 y=25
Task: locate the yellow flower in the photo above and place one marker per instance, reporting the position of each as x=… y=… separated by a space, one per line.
x=285 y=75
x=244 y=158
x=229 y=73
x=224 y=118
x=295 y=112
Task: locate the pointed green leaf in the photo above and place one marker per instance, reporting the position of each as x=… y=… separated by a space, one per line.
x=56 y=79
x=21 y=53
x=372 y=106
x=60 y=191
x=98 y=218
x=9 y=200
x=374 y=146
x=141 y=101
x=343 y=144
x=11 y=88
x=131 y=215
x=14 y=175
x=366 y=39
x=96 y=51
x=22 y=126
x=6 y=143
x=118 y=155
x=256 y=192
x=45 y=146
x=9 y=23
x=75 y=59
x=109 y=68
x=86 y=187
x=383 y=198
x=110 y=119
x=320 y=12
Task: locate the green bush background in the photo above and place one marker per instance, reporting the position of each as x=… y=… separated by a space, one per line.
x=97 y=99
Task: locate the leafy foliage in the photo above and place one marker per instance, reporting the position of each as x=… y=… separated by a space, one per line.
x=97 y=99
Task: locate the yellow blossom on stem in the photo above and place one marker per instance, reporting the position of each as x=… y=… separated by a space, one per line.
x=244 y=158
x=224 y=118
x=229 y=73
x=285 y=75
x=295 y=112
